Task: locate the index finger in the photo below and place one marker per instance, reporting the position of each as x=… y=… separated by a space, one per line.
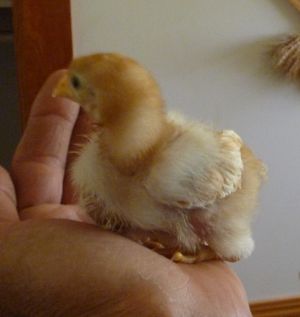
x=39 y=163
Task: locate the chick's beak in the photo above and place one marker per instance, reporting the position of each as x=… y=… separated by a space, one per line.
x=62 y=88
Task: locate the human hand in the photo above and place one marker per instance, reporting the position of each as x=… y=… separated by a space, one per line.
x=68 y=266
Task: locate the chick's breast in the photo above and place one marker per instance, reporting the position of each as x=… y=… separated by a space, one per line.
x=111 y=198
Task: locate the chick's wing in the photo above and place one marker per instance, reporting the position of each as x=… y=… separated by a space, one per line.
x=196 y=168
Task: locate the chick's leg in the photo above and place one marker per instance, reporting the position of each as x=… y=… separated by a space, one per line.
x=205 y=254
x=181 y=258
x=152 y=244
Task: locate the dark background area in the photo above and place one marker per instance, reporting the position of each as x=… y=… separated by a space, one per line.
x=10 y=123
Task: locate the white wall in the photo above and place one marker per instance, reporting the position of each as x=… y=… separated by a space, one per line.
x=208 y=58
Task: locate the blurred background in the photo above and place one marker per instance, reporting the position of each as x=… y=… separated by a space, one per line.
x=10 y=122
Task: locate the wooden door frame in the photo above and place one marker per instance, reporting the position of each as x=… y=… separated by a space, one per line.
x=43 y=44
x=281 y=307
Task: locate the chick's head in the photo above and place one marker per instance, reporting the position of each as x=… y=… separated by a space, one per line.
x=108 y=85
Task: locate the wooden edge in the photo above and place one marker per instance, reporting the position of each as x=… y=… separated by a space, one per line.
x=295 y=3
x=5 y=3
x=43 y=44
x=288 y=307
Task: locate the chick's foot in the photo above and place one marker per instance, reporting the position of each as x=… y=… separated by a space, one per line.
x=152 y=244
x=205 y=254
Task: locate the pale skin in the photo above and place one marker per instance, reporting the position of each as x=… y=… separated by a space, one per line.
x=55 y=262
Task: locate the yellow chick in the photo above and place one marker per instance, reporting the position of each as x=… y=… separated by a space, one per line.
x=151 y=171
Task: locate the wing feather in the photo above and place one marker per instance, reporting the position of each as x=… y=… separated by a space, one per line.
x=197 y=168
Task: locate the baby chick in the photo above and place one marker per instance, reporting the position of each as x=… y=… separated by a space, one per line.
x=189 y=189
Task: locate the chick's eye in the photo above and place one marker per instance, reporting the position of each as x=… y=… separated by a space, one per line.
x=75 y=82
